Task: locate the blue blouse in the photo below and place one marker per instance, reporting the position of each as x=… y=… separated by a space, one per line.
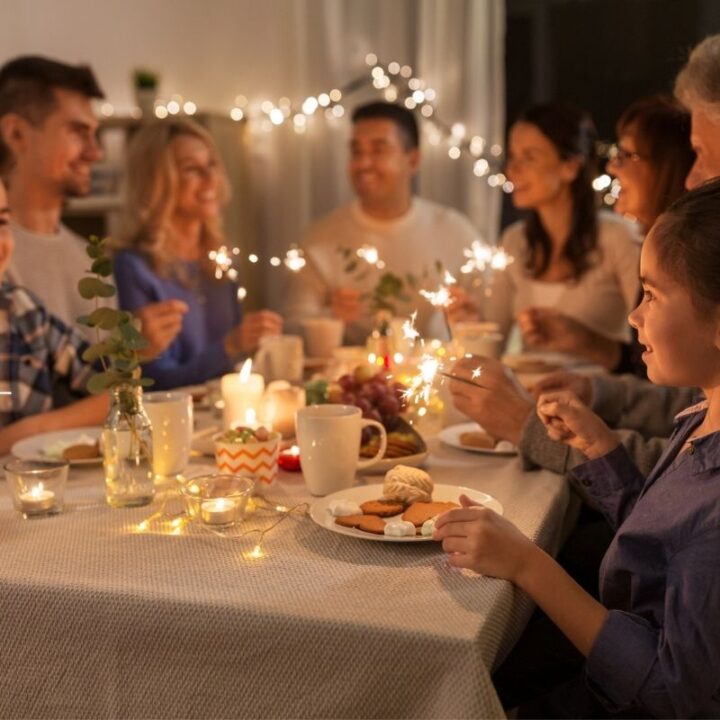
x=659 y=647
x=198 y=352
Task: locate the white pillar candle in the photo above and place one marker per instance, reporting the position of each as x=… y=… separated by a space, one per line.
x=241 y=392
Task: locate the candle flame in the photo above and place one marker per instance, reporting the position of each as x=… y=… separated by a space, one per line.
x=37 y=491
x=250 y=417
x=245 y=370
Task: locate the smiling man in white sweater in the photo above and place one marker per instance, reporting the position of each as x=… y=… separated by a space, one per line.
x=413 y=236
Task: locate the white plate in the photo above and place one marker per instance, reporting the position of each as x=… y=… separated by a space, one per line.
x=34 y=448
x=382 y=466
x=451 y=436
x=441 y=493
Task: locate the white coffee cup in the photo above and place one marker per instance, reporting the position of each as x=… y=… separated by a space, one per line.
x=171 y=415
x=322 y=336
x=329 y=441
x=280 y=357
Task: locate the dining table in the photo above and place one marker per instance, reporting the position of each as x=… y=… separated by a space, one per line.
x=139 y=612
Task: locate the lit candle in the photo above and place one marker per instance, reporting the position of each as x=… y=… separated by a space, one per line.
x=279 y=406
x=290 y=459
x=37 y=500
x=218 y=512
x=241 y=392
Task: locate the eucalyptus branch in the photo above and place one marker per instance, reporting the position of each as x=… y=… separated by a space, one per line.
x=116 y=350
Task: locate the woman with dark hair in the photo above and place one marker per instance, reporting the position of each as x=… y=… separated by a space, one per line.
x=652 y=158
x=566 y=254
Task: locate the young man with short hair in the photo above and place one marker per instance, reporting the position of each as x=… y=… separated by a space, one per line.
x=47 y=148
x=412 y=235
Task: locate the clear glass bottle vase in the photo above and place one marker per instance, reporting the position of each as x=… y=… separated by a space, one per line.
x=127 y=450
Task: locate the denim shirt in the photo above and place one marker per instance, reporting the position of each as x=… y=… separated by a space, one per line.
x=659 y=647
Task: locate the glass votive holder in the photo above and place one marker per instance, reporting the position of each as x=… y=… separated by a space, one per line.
x=218 y=500
x=37 y=487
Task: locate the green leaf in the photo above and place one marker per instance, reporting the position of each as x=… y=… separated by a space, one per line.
x=98 y=350
x=83 y=320
x=103 y=266
x=105 y=318
x=102 y=381
x=95 y=240
x=90 y=287
x=132 y=337
x=94 y=251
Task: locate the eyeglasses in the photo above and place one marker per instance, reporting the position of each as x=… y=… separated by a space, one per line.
x=620 y=155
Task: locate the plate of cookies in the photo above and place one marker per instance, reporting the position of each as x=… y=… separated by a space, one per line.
x=79 y=446
x=470 y=436
x=405 y=446
x=402 y=509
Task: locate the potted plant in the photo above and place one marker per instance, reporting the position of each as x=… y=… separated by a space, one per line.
x=146 y=86
x=127 y=435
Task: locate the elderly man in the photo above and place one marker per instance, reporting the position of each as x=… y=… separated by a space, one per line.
x=47 y=149
x=413 y=236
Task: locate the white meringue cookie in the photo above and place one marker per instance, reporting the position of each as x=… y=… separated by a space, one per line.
x=504 y=446
x=341 y=508
x=407 y=484
x=428 y=527
x=399 y=528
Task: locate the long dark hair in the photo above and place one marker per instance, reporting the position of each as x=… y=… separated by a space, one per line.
x=572 y=133
x=660 y=127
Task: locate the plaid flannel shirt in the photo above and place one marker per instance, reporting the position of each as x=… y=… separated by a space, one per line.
x=40 y=356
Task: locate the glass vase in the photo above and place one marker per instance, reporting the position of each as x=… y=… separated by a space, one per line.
x=127 y=450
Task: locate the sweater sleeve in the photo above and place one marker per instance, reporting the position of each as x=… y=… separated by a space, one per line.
x=671 y=670
x=138 y=287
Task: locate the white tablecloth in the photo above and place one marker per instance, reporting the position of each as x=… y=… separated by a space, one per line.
x=101 y=621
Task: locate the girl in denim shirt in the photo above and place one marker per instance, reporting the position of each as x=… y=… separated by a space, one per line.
x=652 y=645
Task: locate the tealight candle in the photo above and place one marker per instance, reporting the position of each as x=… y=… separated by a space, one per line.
x=220 y=511
x=290 y=459
x=241 y=392
x=37 y=500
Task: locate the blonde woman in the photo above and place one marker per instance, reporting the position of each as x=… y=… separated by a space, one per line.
x=176 y=190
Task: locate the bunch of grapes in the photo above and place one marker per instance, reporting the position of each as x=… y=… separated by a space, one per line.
x=378 y=398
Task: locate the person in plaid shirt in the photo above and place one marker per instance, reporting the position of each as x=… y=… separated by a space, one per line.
x=41 y=367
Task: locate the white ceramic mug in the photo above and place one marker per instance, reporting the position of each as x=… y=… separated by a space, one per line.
x=280 y=357
x=329 y=441
x=171 y=415
x=322 y=336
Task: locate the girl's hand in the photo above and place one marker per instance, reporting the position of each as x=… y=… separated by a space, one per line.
x=481 y=540
x=570 y=421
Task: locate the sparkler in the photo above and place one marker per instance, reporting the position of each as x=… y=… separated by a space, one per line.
x=224 y=259
x=481 y=256
x=441 y=298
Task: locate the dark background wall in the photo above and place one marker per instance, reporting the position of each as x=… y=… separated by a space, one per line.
x=601 y=54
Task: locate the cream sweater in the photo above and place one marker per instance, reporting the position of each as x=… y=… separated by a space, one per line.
x=601 y=299
x=428 y=233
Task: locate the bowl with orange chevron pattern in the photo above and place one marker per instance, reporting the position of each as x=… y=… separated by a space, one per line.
x=259 y=459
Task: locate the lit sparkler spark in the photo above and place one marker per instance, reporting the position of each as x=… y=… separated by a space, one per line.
x=294 y=260
x=409 y=330
x=480 y=256
x=441 y=296
x=421 y=384
x=476 y=373
x=223 y=259
x=369 y=254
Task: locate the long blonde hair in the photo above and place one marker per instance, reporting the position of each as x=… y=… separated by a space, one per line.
x=152 y=184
